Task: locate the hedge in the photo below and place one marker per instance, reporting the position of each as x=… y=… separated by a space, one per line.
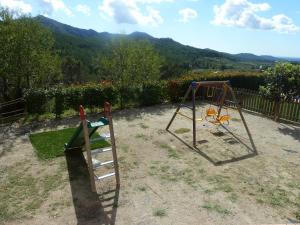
x=93 y=95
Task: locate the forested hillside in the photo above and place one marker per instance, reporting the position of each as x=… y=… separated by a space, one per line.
x=84 y=46
x=42 y=53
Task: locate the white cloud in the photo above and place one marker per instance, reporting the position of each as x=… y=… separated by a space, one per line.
x=129 y=11
x=17 y=5
x=243 y=13
x=187 y=14
x=50 y=6
x=84 y=9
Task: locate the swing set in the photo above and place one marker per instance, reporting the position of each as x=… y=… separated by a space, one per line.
x=214 y=115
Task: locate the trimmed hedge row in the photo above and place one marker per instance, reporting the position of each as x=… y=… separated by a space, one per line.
x=58 y=99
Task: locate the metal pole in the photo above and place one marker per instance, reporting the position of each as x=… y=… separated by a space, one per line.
x=178 y=108
x=242 y=117
x=194 y=86
x=222 y=100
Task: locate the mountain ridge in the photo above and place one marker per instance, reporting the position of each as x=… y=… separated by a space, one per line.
x=66 y=29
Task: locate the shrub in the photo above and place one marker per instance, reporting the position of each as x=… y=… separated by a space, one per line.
x=36 y=100
x=152 y=93
x=59 y=107
x=73 y=97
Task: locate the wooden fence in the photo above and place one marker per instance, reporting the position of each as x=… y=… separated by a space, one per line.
x=12 y=110
x=278 y=110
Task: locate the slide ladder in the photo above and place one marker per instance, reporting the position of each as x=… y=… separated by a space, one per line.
x=83 y=138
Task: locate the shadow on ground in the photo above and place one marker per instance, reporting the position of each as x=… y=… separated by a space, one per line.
x=290 y=130
x=90 y=208
x=249 y=153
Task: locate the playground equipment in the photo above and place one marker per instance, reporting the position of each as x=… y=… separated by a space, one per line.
x=215 y=113
x=82 y=138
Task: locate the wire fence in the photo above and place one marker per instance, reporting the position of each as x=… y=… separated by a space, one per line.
x=12 y=110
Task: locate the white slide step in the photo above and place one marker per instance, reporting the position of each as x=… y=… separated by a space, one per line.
x=104 y=176
x=100 y=150
x=100 y=138
x=97 y=163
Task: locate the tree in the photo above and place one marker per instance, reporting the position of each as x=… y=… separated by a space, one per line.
x=72 y=70
x=130 y=63
x=27 y=58
x=282 y=81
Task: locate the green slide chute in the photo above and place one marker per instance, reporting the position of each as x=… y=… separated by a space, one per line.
x=77 y=140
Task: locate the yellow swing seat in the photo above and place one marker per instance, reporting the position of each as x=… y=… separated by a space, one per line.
x=222 y=119
x=211 y=112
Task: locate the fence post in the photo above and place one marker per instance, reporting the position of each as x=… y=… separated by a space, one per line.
x=277 y=110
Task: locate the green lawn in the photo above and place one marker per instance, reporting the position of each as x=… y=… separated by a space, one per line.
x=51 y=144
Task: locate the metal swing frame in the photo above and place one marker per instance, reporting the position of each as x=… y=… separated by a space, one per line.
x=193 y=88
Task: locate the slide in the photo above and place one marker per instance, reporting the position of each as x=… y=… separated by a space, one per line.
x=77 y=140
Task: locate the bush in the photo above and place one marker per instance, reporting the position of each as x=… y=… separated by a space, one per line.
x=59 y=107
x=73 y=97
x=177 y=88
x=36 y=100
x=248 y=80
x=128 y=95
x=93 y=95
x=152 y=93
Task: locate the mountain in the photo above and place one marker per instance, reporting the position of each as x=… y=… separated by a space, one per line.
x=252 y=57
x=85 y=45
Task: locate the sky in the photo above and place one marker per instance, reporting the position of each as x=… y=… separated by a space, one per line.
x=262 y=27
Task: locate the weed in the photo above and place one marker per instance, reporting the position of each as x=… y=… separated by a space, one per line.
x=144 y=126
x=233 y=197
x=182 y=130
x=160 y=212
x=23 y=194
x=172 y=153
x=164 y=168
x=216 y=208
x=125 y=148
x=161 y=131
x=141 y=188
x=297 y=214
x=220 y=183
x=142 y=136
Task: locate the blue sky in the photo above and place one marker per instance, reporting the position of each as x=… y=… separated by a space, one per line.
x=256 y=26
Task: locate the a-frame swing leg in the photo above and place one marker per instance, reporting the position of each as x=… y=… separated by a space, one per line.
x=194 y=115
x=242 y=117
x=225 y=87
x=178 y=108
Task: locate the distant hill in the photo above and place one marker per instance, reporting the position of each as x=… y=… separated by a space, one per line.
x=85 y=44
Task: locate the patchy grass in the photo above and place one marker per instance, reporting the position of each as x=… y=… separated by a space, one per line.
x=182 y=130
x=160 y=212
x=220 y=183
x=233 y=197
x=51 y=144
x=274 y=197
x=141 y=136
x=215 y=208
x=144 y=126
x=172 y=153
x=236 y=119
x=141 y=188
x=170 y=174
x=22 y=194
x=297 y=214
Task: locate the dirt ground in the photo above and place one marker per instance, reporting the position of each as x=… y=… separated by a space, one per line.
x=163 y=181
